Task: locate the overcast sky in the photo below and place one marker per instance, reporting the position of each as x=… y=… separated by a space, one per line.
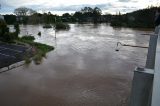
x=63 y=6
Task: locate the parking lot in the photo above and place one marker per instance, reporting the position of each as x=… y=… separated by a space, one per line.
x=11 y=53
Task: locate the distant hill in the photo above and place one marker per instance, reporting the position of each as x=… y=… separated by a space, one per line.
x=143 y=18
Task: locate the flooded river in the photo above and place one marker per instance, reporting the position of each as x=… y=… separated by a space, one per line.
x=83 y=70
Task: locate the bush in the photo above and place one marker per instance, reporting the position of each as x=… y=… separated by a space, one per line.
x=28 y=38
x=39 y=51
x=3 y=28
x=5 y=35
x=39 y=34
x=8 y=37
x=62 y=26
x=47 y=26
x=116 y=23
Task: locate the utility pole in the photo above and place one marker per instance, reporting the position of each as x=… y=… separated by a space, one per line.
x=55 y=27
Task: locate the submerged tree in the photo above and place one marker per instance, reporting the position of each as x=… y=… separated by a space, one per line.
x=96 y=14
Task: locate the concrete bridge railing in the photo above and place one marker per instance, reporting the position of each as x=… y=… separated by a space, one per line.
x=146 y=81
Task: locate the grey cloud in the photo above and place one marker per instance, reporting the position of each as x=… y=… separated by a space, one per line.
x=134 y=1
x=79 y=7
x=124 y=0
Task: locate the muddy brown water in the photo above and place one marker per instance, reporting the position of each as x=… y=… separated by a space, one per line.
x=83 y=70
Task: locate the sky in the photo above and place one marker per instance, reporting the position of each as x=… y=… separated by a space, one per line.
x=62 y=6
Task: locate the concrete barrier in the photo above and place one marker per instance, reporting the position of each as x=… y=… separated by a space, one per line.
x=142 y=87
x=4 y=69
x=146 y=82
x=12 y=66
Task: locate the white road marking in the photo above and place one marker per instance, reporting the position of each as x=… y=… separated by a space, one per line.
x=11 y=49
x=7 y=55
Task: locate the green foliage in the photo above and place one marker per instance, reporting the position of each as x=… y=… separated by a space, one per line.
x=66 y=17
x=8 y=37
x=39 y=34
x=16 y=27
x=28 y=16
x=5 y=35
x=88 y=14
x=27 y=60
x=10 y=19
x=62 y=26
x=47 y=26
x=43 y=47
x=141 y=18
x=40 y=49
x=27 y=38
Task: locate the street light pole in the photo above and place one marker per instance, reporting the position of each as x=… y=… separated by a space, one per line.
x=55 y=27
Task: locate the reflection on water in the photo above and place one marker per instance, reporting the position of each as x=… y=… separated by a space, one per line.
x=83 y=70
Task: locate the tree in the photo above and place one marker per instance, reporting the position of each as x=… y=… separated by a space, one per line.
x=87 y=10
x=5 y=35
x=31 y=12
x=16 y=27
x=96 y=14
x=3 y=28
x=66 y=17
x=21 y=11
x=78 y=16
x=10 y=19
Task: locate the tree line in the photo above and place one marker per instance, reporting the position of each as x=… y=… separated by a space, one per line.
x=143 y=18
x=29 y=16
x=140 y=18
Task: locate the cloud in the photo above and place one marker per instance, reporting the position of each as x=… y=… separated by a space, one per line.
x=79 y=7
x=124 y=0
x=111 y=6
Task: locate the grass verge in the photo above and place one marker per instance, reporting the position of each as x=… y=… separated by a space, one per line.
x=38 y=50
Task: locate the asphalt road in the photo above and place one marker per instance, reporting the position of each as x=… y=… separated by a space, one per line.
x=11 y=53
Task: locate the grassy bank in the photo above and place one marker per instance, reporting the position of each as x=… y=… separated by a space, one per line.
x=38 y=50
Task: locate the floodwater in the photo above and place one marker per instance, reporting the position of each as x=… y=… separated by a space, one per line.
x=83 y=70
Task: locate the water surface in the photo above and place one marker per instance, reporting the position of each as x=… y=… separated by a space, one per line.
x=83 y=70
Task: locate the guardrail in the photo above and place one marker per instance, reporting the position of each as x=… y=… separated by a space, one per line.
x=146 y=81
x=156 y=80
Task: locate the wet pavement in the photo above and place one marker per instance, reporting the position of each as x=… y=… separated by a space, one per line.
x=11 y=53
x=83 y=70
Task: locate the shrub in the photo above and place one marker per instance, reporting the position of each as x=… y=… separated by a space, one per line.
x=47 y=26
x=3 y=28
x=28 y=38
x=16 y=27
x=62 y=26
x=39 y=33
x=8 y=37
x=5 y=35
